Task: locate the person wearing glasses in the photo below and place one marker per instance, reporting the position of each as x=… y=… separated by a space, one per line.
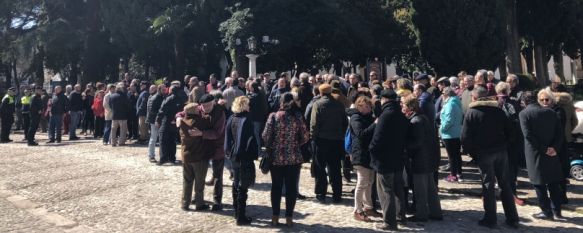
x=543 y=136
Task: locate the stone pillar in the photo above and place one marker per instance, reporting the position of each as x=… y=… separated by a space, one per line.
x=252 y=64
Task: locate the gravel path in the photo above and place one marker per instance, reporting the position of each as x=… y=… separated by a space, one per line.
x=83 y=186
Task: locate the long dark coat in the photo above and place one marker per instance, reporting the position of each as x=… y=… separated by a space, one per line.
x=541 y=129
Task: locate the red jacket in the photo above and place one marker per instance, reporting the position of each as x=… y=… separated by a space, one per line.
x=97 y=107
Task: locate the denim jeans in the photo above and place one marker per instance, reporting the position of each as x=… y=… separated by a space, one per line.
x=153 y=139
x=75 y=119
x=107 y=131
x=55 y=126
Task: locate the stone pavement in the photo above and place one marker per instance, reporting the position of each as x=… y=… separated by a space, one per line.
x=83 y=186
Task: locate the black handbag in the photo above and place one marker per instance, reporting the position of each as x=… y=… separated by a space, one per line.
x=267 y=152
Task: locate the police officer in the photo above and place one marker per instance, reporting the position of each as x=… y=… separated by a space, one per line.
x=25 y=109
x=7 y=108
x=36 y=110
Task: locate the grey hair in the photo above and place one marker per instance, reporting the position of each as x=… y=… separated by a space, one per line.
x=454 y=81
x=449 y=91
x=479 y=92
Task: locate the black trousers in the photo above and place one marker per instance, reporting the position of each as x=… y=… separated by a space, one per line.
x=288 y=175
x=99 y=124
x=552 y=205
x=167 y=143
x=25 y=123
x=218 y=166
x=88 y=121
x=494 y=167
x=346 y=167
x=453 y=148
x=390 y=192
x=34 y=121
x=6 y=126
x=328 y=154
x=514 y=157
x=133 y=128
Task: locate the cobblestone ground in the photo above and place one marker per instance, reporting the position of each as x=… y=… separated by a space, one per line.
x=83 y=186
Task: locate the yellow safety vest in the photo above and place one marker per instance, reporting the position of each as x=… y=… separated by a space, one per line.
x=26 y=100
x=10 y=99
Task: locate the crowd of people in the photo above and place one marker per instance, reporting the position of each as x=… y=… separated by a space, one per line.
x=388 y=131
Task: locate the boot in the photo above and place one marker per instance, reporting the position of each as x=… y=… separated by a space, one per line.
x=242 y=219
x=235 y=207
x=289 y=221
x=274 y=221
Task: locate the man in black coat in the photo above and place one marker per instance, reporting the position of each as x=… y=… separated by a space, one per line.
x=36 y=110
x=543 y=135
x=142 y=111
x=327 y=127
x=258 y=110
x=59 y=106
x=387 y=152
x=76 y=111
x=166 y=122
x=421 y=142
x=486 y=132
x=120 y=106
x=7 y=109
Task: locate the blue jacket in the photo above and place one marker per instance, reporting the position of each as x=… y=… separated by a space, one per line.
x=451 y=118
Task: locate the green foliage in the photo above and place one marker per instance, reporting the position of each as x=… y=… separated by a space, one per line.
x=456 y=35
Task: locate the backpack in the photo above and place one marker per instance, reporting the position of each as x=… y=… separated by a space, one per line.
x=348 y=141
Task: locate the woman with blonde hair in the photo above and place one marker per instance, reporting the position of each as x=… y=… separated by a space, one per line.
x=241 y=149
x=362 y=129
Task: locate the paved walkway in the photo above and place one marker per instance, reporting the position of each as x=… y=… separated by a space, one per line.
x=83 y=186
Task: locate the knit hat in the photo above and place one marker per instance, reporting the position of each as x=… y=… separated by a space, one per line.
x=325 y=88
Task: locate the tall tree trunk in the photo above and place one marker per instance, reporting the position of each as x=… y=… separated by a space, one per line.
x=502 y=70
x=558 y=62
x=528 y=57
x=7 y=68
x=74 y=74
x=39 y=68
x=15 y=76
x=179 y=57
x=512 y=48
x=539 y=58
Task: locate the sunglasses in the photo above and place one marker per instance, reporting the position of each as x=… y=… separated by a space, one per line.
x=545 y=100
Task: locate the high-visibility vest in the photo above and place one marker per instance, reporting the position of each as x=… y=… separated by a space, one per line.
x=26 y=99
x=10 y=99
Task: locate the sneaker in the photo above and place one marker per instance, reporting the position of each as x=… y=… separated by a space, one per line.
x=153 y=160
x=459 y=178
x=51 y=141
x=373 y=213
x=451 y=178
x=321 y=198
x=519 y=201
x=543 y=216
x=361 y=217
x=444 y=168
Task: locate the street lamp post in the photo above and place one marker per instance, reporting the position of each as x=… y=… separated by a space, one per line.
x=254 y=52
x=252 y=45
